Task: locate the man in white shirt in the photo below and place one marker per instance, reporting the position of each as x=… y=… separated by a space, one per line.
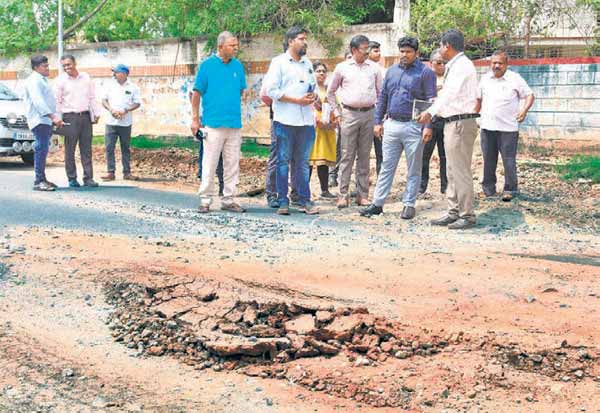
x=500 y=94
x=290 y=83
x=121 y=97
x=456 y=105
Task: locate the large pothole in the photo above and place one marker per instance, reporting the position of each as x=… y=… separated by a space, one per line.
x=205 y=326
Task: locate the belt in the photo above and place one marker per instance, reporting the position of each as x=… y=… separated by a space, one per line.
x=358 y=109
x=454 y=118
x=85 y=112
x=402 y=119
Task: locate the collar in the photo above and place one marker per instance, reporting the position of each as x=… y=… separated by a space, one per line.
x=38 y=74
x=291 y=59
x=504 y=76
x=366 y=62
x=79 y=76
x=416 y=63
x=221 y=60
x=454 y=59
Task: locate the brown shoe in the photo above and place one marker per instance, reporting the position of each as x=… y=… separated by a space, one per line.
x=309 y=209
x=108 y=177
x=203 y=209
x=233 y=207
x=342 y=202
x=129 y=177
x=362 y=201
x=283 y=210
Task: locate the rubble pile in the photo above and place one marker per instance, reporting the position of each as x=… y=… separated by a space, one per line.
x=192 y=323
x=565 y=363
x=211 y=327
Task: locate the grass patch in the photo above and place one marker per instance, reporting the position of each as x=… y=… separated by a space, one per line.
x=249 y=146
x=581 y=167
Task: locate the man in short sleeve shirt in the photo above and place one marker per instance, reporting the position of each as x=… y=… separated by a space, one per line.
x=221 y=82
x=500 y=94
x=121 y=97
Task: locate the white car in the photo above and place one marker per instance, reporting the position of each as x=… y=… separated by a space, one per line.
x=15 y=137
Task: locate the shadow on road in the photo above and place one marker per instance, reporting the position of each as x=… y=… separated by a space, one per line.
x=498 y=220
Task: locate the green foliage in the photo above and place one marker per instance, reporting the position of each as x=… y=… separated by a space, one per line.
x=482 y=22
x=249 y=146
x=30 y=25
x=582 y=167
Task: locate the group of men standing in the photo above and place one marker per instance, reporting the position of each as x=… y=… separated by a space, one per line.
x=367 y=105
x=70 y=110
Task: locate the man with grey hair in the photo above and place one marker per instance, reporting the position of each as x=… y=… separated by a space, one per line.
x=438 y=65
x=499 y=101
x=221 y=82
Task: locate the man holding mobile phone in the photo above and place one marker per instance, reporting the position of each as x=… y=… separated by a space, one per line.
x=290 y=83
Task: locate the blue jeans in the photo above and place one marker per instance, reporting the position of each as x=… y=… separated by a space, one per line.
x=294 y=145
x=399 y=137
x=41 y=145
x=271 y=184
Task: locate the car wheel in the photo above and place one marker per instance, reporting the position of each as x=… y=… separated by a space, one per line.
x=27 y=158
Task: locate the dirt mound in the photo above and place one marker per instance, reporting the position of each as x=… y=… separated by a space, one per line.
x=179 y=165
x=206 y=326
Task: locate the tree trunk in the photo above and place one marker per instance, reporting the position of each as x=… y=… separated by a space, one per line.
x=71 y=30
x=527 y=37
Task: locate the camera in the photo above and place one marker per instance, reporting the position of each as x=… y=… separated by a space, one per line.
x=200 y=134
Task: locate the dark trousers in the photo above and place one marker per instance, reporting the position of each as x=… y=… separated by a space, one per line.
x=437 y=139
x=123 y=134
x=219 y=166
x=333 y=172
x=41 y=145
x=79 y=131
x=505 y=143
x=323 y=174
x=378 y=144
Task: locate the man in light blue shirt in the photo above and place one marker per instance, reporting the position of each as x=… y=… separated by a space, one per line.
x=40 y=107
x=221 y=82
x=290 y=83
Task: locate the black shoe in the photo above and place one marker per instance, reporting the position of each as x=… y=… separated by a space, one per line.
x=462 y=224
x=73 y=183
x=445 y=220
x=408 y=212
x=272 y=202
x=90 y=183
x=371 y=210
x=328 y=195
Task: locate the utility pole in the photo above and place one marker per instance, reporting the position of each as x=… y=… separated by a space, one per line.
x=60 y=33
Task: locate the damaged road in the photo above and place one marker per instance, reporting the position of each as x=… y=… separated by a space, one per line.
x=125 y=299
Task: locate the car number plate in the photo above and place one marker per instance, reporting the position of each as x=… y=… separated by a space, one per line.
x=23 y=136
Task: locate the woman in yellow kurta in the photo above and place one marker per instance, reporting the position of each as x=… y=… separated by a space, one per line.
x=323 y=152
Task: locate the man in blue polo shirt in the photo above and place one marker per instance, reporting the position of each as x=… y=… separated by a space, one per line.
x=221 y=82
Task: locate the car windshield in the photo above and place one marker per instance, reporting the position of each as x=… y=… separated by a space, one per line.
x=7 y=94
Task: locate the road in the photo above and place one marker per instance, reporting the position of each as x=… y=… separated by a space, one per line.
x=515 y=284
